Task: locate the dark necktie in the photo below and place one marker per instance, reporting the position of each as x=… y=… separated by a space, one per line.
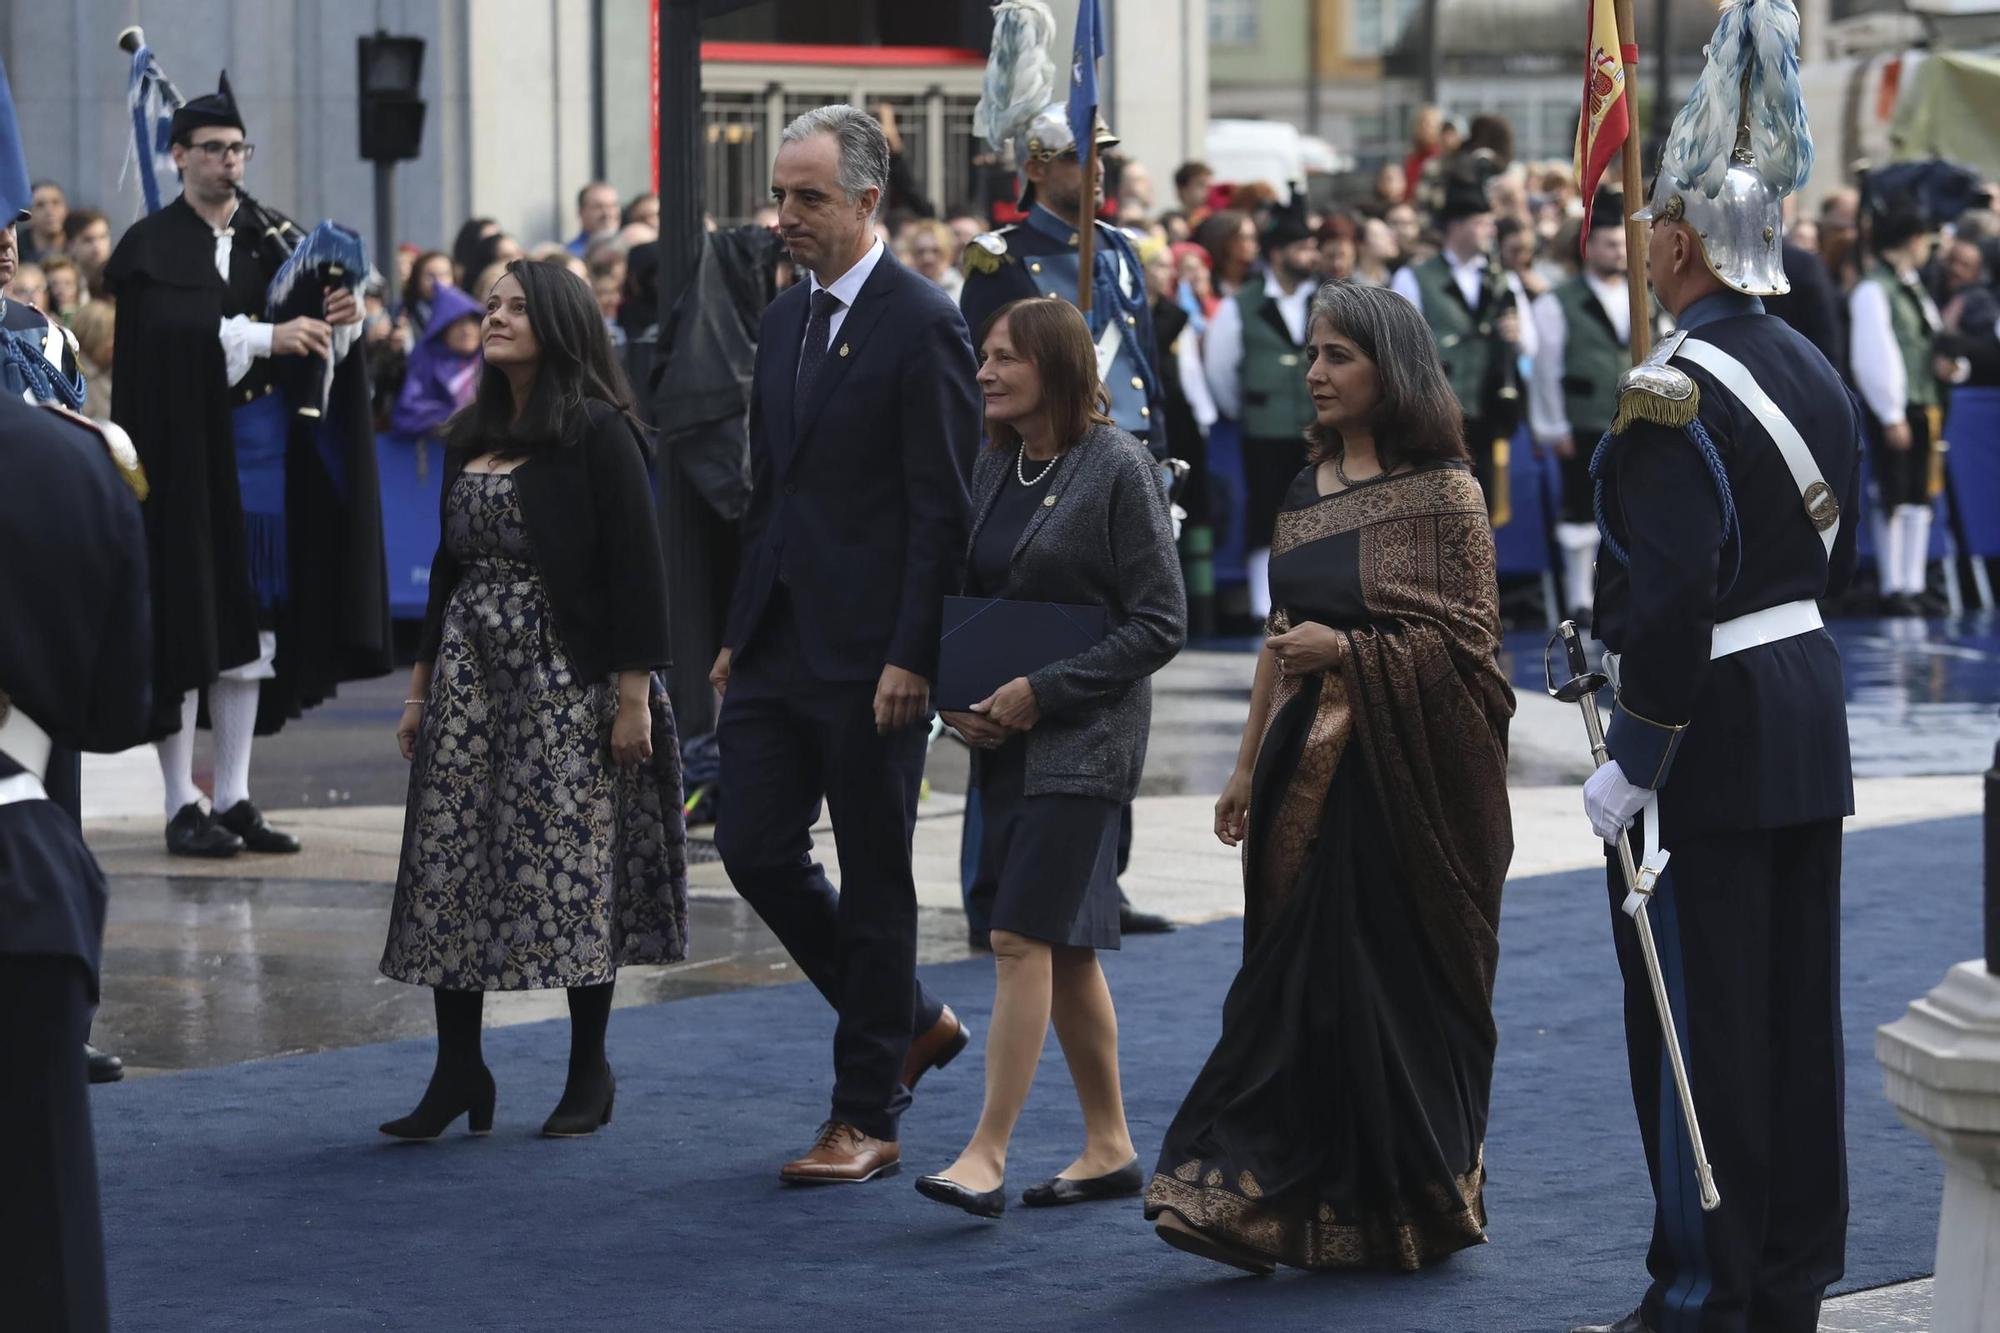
x=819 y=329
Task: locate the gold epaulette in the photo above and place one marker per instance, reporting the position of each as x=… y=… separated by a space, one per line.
x=1657 y=392
x=984 y=253
x=116 y=443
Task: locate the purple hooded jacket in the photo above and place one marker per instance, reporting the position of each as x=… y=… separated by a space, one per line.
x=439 y=382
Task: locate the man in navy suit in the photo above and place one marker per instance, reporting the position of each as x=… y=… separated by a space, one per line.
x=864 y=420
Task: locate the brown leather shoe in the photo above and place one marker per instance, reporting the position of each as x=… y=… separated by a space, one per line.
x=843 y=1155
x=936 y=1047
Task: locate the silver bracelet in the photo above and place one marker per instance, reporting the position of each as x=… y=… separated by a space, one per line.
x=418 y=702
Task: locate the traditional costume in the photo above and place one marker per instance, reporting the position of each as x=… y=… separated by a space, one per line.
x=264 y=523
x=1726 y=495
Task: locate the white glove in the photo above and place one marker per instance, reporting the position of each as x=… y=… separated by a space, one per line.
x=1612 y=803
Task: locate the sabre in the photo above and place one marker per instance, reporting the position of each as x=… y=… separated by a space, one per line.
x=1581 y=689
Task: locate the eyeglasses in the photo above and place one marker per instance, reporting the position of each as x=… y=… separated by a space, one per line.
x=215 y=148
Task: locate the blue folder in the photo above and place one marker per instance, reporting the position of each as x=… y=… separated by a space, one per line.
x=986 y=642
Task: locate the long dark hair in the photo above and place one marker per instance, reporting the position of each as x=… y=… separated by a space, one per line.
x=465 y=247
x=578 y=368
x=1417 y=418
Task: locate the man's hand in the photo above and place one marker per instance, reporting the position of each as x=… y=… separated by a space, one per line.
x=1012 y=706
x=1610 y=802
x=1508 y=327
x=304 y=336
x=718 y=675
x=902 y=698
x=1564 y=446
x=1896 y=435
x=341 y=307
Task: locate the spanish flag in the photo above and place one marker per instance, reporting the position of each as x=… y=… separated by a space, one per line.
x=1606 y=116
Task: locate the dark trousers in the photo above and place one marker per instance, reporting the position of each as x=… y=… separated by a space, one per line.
x=51 y=1237
x=1748 y=930
x=1903 y=476
x=787 y=740
x=1480 y=436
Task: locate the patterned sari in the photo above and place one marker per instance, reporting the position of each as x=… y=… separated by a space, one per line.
x=1339 y=1121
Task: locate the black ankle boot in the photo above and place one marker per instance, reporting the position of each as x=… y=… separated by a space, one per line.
x=582 y=1110
x=448 y=1097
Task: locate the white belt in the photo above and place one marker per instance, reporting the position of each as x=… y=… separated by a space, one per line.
x=1770 y=625
x=24 y=742
x=27 y=745
x=1821 y=507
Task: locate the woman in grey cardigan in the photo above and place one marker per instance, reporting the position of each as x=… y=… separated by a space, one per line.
x=1067 y=509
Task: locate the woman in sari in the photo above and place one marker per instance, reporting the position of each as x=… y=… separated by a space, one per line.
x=1339 y=1121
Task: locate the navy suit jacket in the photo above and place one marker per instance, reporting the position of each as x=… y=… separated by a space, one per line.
x=1765 y=739
x=859 y=502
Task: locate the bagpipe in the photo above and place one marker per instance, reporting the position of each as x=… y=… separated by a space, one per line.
x=310 y=266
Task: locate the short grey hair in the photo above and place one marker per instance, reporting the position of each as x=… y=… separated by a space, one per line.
x=864 y=149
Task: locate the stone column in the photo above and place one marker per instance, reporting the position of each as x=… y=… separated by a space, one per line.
x=1941 y=1070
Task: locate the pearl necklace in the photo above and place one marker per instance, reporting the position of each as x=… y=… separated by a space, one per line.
x=1021 y=472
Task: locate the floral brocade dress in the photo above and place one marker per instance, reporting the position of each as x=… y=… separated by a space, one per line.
x=530 y=858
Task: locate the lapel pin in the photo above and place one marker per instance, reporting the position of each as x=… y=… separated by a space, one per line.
x=843 y=349
x=1048 y=501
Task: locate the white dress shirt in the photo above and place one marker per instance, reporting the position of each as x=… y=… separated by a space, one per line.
x=845 y=288
x=245 y=339
x=1222 y=348
x=1470 y=275
x=1548 y=415
x=1875 y=358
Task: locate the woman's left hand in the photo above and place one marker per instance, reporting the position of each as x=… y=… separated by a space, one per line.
x=632 y=734
x=1013 y=705
x=1307 y=648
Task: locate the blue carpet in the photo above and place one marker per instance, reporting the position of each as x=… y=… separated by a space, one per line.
x=258 y=1197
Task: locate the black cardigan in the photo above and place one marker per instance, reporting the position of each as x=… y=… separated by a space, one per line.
x=588 y=510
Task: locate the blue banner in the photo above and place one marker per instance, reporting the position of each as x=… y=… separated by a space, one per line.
x=152 y=121
x=15 y=189
x=1083 y=75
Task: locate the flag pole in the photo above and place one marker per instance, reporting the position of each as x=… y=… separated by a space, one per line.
x=1086 y=225
x=1635 y=186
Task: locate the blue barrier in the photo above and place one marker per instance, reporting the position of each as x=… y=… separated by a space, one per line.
x=410 y=470
x=1973 y=430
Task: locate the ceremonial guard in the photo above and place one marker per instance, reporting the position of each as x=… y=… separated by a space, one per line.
x=73 y=675
x=1727 y=495
x=37 y=354
x=1039 y=256
x=1893 y=327
x=1478 y=315
x=1021 y=113
x=1584 y=331
x=265 y=517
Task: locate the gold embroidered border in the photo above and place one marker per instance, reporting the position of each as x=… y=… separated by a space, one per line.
x=1324 y=1241
x=1438 y=491
x=1295 y=827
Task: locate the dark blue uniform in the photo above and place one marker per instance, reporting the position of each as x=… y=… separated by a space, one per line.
x=1039 y=257
x=75 y=660
x=1749 y=755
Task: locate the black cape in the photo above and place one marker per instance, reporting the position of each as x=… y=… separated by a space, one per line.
x=170 y=391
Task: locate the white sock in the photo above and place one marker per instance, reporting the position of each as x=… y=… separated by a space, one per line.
x=1889 y=552
x=1257 y=566
x=232 y=710
x=176 y=754
x=1916 y=555
x=1579 y=547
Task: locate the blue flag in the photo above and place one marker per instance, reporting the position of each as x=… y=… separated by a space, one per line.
x=152 y=122
x=1083 y=74
x=15 y=189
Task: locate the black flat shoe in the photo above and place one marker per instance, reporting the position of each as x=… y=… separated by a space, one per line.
x=582 y=1124
x=992 y=1203
x=246 y=821
x=1179 y=1233
x=193 y=831
x=104 y=1066
x=1132 y=921
x=1126 y=1181
x=1631 y=1323
x=443 y=1104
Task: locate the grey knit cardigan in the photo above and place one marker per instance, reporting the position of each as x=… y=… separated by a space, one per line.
x=1106 y=540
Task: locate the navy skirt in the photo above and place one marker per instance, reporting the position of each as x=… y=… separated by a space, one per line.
x=1048 y=865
